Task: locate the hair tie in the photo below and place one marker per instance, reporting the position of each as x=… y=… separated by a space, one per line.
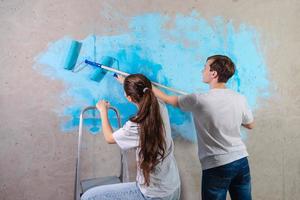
x=145 y=89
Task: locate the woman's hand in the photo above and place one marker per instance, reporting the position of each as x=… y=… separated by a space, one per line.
x=107 y=130
x=102 y=105
x=119 y=78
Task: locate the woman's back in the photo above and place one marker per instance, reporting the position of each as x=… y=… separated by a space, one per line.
x=164 y=180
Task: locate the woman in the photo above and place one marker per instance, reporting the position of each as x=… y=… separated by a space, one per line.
x=150 y=133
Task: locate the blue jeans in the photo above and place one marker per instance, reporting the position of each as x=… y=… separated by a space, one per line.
x=122 y=191
x=234 y=176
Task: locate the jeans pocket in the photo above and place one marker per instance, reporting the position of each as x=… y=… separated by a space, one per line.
x=212 y=181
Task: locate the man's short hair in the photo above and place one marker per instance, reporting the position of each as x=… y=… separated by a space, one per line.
x=223 y=65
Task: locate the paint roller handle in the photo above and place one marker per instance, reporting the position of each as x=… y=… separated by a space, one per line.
x=92 y=63
x=154 y=83
x=126 y=74
x=105 y=67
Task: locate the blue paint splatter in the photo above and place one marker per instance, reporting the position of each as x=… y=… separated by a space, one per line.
x=173 y=56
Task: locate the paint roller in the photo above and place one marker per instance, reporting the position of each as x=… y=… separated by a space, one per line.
x=72 y=55
x=101 y=69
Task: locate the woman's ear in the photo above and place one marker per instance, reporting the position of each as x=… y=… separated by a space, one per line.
x=129 y=98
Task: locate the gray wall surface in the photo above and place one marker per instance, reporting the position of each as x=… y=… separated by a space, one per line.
x=37 y=161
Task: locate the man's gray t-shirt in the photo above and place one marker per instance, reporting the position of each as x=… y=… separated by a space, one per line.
x=218 y=115
x=165 y=180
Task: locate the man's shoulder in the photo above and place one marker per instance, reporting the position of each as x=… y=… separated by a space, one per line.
x=223 y=94
x=236 y=96
x=233 y=92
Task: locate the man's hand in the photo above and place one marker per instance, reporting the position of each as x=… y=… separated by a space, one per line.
x=249 y=126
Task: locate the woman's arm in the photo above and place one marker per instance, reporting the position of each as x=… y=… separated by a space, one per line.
x=107 y=130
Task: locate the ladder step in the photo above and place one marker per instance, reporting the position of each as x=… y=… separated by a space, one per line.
x=90 y=183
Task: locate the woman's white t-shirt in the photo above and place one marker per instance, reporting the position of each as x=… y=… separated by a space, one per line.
x=165 y=180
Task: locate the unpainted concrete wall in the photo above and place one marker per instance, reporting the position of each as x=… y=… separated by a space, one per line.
x=37 y=161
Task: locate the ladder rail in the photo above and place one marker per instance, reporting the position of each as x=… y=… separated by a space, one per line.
x=77 y=175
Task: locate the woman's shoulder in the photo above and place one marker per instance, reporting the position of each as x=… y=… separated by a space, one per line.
x=161 y=102
x=131 y=126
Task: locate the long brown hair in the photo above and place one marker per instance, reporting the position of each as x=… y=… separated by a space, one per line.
x=151 y=129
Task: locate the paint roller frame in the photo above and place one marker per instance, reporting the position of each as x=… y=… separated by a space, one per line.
x=72 y=57
x=100 y=72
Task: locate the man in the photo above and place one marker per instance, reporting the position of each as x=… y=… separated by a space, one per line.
x=218 y=116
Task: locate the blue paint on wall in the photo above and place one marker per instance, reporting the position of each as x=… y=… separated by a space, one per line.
x=171 y=51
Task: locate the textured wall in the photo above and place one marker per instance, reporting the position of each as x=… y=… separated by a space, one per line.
x=40 y=101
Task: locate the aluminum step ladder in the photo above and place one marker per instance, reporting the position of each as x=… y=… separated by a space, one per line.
x=82 y=186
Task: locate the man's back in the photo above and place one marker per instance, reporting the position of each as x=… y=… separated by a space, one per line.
x=218 y=116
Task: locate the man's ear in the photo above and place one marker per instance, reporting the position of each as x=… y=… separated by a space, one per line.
x=214 y=74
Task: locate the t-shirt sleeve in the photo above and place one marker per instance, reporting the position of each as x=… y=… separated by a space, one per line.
x=247 y=116
x=187 y=102
x=127 y=137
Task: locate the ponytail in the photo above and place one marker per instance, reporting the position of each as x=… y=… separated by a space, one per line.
x=151 y=129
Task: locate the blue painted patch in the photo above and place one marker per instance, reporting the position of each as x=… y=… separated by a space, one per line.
x=173 y=56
